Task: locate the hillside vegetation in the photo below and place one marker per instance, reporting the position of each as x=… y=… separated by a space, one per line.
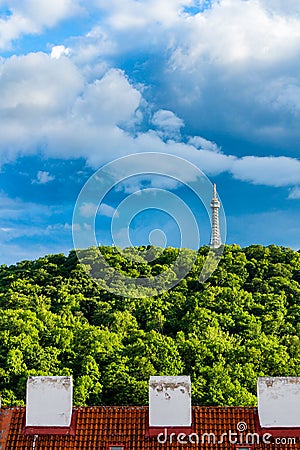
x=243 y=322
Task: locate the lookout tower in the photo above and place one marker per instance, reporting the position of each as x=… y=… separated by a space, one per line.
x=215 y=240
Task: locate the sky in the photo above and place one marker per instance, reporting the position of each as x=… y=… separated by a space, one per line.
x=84 y=83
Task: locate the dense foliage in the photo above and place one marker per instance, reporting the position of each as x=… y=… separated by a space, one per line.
x=243 y=322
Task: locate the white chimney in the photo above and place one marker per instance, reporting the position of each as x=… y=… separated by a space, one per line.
x=279 y=402
x=170 y=401
x=49 y=401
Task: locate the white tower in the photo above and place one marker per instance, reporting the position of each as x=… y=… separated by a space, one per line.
x=215 y=240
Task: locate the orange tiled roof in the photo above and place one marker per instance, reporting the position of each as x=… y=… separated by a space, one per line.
x=98 y=427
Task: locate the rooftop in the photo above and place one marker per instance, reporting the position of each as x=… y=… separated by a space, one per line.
x=127 y=427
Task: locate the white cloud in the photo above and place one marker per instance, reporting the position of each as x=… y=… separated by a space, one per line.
x=24 y=221
x=106 y=210
x=230 y=67
x=109 y=100
x=43 y=177
x=5 y=230
x=133 y=25
x=56 y=239
x=58 y=51
x=231 y=31
x=288 y=7
x=61 y=227
x=15 y=208
x=235 y=68
x=270 y=171
x=167 y=122
x=31 y=88
x=47 y=13
x=72 y=119
x=294 y=193
x=201 y=143
x=91 y=50
x=32 y=16
x=35 y=83
x=239 y=32
x=231 y=70
x=88 y=209
x=50 y=104
x=12 y=27
x=130 y=13
x=36 y=92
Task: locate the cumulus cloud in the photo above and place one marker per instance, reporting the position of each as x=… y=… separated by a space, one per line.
x=167 y=122
x=35 y=92
x=191 y=74
x=91 y=50
x=130 y=13
x=134 y=25
x=31 y=16
x=232 y=67
x=226 y=69
x=235 y=68
x=239 y=32
x=52 y=104
x=43 y=177
x=270 y=171
x=109 y=100
x=202 y=143
x=31 y=87
x=230 y=31
x=58 y=51
x=73 y=119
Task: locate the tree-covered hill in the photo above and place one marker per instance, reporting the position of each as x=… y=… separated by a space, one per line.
x=243 y=322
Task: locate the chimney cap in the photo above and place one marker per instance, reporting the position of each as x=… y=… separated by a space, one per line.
x=170 y=381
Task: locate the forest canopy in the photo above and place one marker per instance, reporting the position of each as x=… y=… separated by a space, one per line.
x=243 y=322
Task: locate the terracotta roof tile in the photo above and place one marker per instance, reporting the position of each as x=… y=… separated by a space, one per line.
x=99 y=426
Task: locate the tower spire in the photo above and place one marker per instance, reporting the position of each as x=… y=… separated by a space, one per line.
x=215 y=240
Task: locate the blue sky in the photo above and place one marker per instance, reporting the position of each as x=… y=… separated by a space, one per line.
x=85 y=82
